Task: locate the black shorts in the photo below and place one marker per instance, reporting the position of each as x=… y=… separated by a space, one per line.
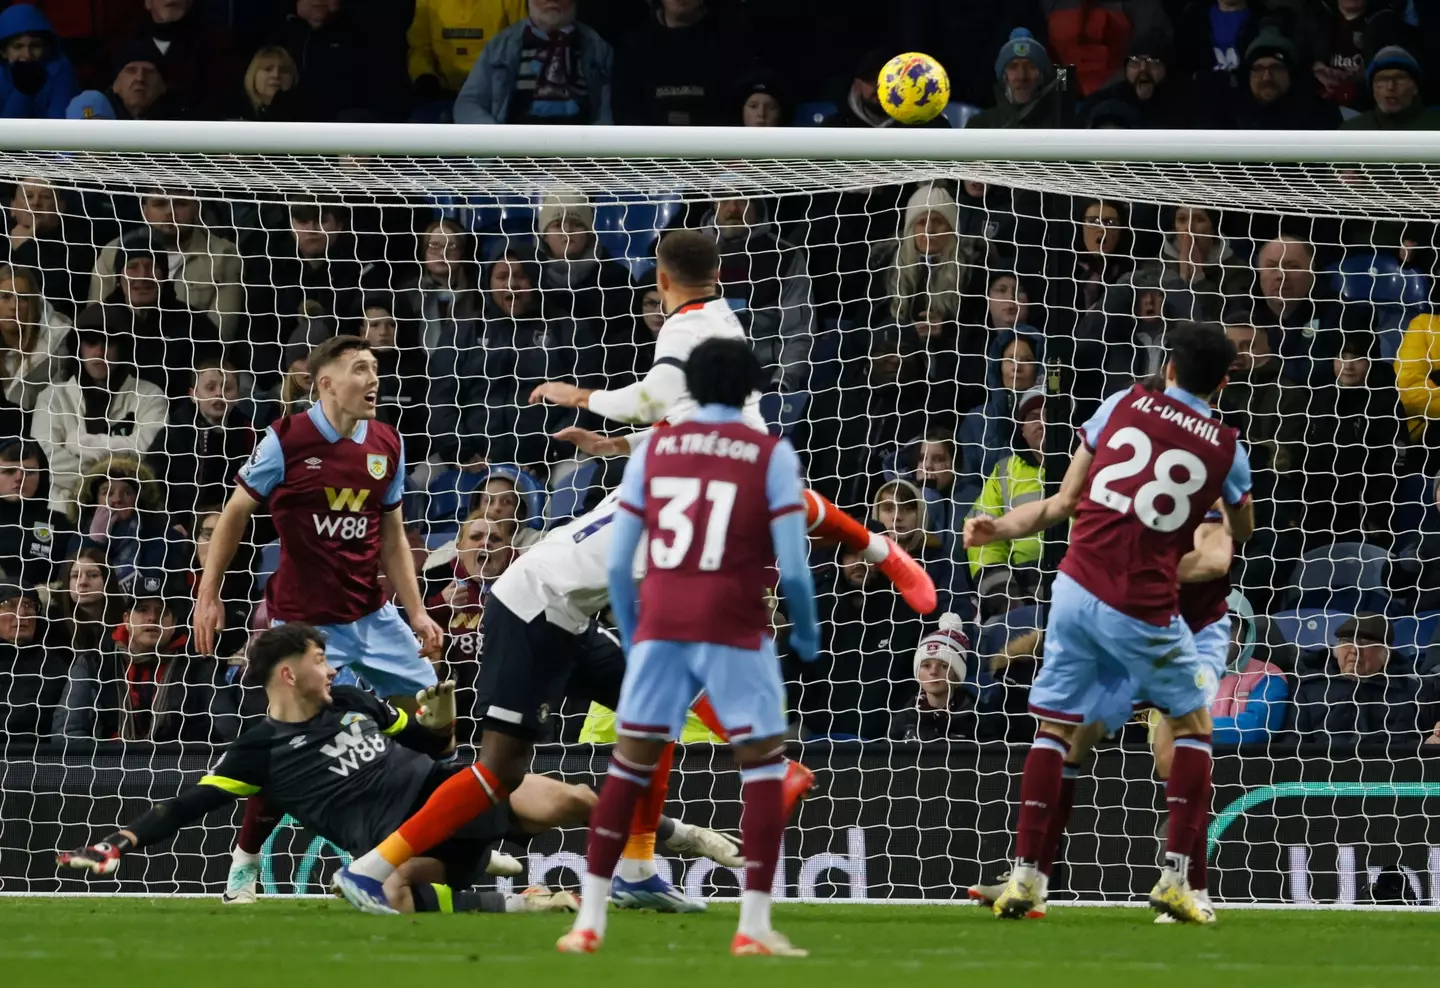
x=526 y=669
x=466 y=852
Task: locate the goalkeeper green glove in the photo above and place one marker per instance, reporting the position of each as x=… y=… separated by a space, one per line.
x=437 y=705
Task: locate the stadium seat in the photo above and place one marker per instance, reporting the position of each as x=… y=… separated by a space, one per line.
x=783 y=412
x=1309 y=628
x=629 y=228
x=568 y=497
x=1412 y=635
x=813 y=114
x=1346 y=576
x=959 y=114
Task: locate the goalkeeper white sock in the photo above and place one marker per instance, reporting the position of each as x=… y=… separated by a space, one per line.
x=877 y=550
x=755 y=914
x=635 y=869
x=594 y=899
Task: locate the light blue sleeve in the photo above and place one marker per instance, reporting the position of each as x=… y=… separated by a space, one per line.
x=629 y=529
x=783 y=487
x=395 y=493
x=632 y=485
x=1092 y=429
x=265 y=469
x=797 y=582
x=1237 y=481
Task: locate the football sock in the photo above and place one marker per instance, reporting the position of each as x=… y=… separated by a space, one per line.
x=703 y=709
x=1059 y=819
x=454 y=803
x=1040 y=787
x=762 y=824
x=826 y=522
x=637 y=861
x=1187 y=796
x=1199 y=867
x=625 y=783
x=257 y=825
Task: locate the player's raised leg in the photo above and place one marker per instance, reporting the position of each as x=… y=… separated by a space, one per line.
x=827 y=523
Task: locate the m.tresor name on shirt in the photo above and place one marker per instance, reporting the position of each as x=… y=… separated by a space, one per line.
x=710 y=444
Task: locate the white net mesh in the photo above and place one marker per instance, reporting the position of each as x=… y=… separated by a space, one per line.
x=155 y=310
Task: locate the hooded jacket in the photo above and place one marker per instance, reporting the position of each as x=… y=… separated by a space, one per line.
x=1250 y=704
x=30 y=90
x=147 y=539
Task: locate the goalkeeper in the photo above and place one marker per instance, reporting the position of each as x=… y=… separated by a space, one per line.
x=350 y=767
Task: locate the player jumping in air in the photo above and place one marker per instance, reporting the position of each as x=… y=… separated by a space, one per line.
x=333 y=477
x=715 y=501
x=350 y=767
x=687 y=276
x=1151 y=466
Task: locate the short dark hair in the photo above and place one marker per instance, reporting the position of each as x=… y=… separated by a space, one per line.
x=1201 y=354
x=20 y=450
x=688 y=256
x=273 y=646
x=332 y=350
x=723 y=371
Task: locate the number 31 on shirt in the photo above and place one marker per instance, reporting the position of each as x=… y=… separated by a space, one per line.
x=679 y=493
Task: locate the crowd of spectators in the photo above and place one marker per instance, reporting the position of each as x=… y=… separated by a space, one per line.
x=913 y=334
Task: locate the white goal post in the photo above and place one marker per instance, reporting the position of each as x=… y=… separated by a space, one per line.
x=908 y=290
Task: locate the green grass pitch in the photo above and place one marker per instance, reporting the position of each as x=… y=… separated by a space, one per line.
x=188 y=943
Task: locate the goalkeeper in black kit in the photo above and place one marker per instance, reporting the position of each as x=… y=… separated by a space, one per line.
x=350 y=767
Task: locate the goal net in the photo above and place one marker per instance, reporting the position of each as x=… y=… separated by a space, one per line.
x=935 y=313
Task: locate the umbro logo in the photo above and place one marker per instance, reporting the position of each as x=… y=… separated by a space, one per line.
x=297 y=741
x=314 y=462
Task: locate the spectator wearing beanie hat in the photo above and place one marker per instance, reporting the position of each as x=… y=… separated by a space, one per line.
x=943 y=708
x=1275 y=91
x=139 y=91
x=764 y=99
x=1023 y=97
x=1394 y=78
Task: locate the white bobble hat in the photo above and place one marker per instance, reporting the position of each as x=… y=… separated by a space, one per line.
x=947 y=644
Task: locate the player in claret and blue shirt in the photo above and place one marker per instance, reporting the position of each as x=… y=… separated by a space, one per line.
x=1150 y=468
x=333 y=477
x=715 y=500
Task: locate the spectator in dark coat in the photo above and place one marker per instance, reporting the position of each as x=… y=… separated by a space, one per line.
x=193 y=53
x=205 y=442
x=1351 y=33
x=36 y=79
x=677 y=69
x=47 y=237
x=764 y=98
x=1394 y=79
x=269 y=90
x=1024 y=94
x=943 y=709
x=140 y=90
x=987 y=433
x=87 y=607
x=32 y=673
x=1299 y=311
x=1275 y=92
x=1146 y=85
x=404 y=386
x=33 y=539
x=867 y=641
x=1343 y=443
x=144 y=683
x=1360 y=692
x=344 y=72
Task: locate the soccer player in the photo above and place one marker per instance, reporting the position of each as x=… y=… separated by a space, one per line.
x=539 y=632
x=333 y=477
x=1150 y=468
x=715 y=501
x=687 y=276
x=350 y=766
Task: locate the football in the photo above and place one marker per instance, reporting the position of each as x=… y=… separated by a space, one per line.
x=913 y=88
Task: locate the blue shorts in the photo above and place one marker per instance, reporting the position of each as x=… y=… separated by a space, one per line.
x=1098 y=661
x=663 y=678
x=1212 y=643
x=380 y=649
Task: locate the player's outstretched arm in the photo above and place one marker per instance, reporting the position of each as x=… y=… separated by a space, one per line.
x=1211 y=557
x=645 y=401
x=629 y=529
x=400 y=568
x=1037 y=515
x=1239 y=520
x=792 y=549
x=209 y=611
x=160 y=823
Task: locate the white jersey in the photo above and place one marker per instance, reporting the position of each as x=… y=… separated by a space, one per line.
x=682 y=333
x=662 y=394
x=564 y=576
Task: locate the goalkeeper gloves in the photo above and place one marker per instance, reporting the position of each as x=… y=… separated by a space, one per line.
x=437 y=705
x=98 y=859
